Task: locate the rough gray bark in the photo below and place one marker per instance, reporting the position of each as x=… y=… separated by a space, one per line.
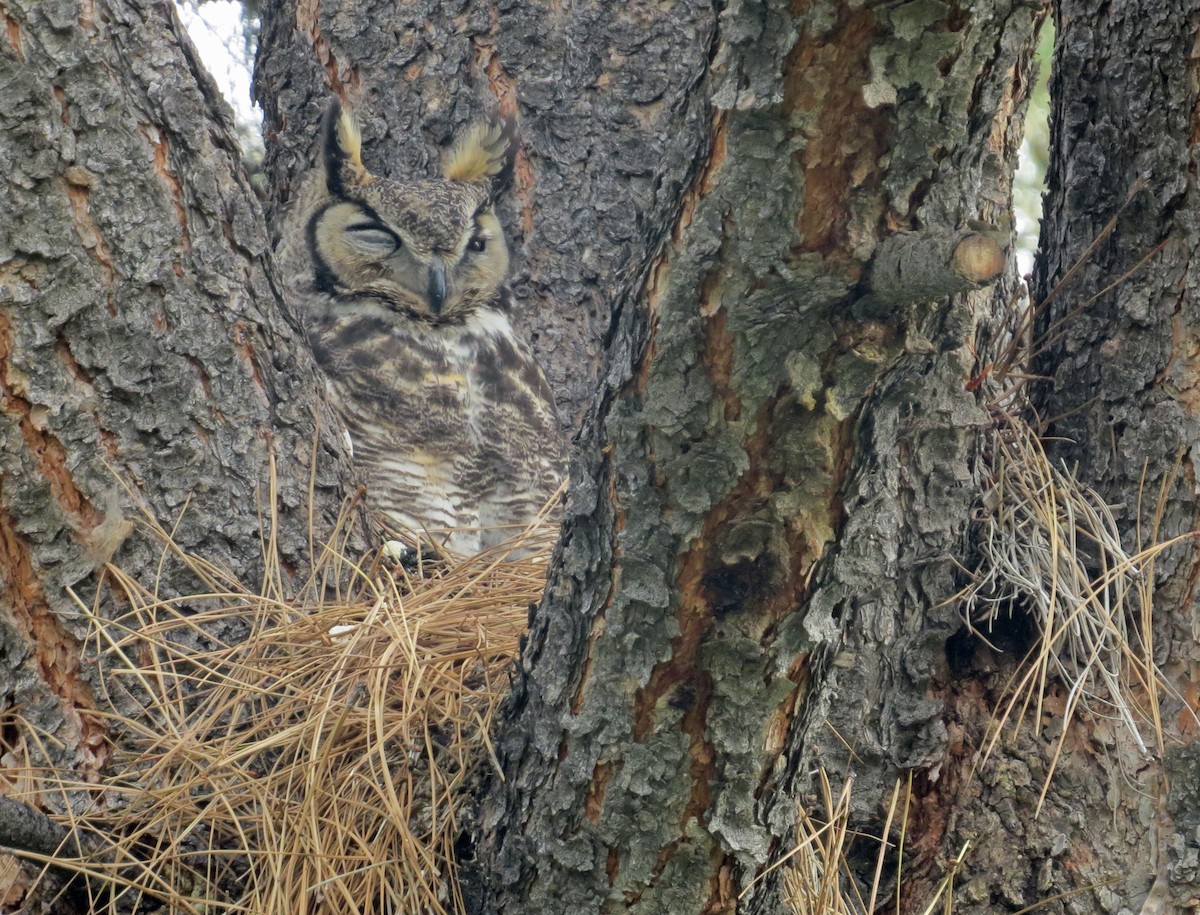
x=24 y=828
x=1121 y=362
x=1124 y=113
x=775 y=479
x=142 y=344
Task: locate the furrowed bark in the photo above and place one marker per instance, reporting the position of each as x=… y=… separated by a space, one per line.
x=774 y=481
x=142 y=345
x=1119 y=339
x=1118 y=331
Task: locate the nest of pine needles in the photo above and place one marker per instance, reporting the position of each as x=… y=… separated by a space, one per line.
x=318 y=766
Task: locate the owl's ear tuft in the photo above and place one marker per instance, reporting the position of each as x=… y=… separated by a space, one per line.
x=341 y=150
x=485 y=152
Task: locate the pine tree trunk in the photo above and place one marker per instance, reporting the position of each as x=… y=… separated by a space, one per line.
x=146 y=362
x=774 y=488
x=1121 y=334
x=742 y=235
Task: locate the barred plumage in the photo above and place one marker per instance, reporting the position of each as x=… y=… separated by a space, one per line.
x=403 y=289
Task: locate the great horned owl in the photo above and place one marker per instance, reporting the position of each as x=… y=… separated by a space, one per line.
x=402 y=285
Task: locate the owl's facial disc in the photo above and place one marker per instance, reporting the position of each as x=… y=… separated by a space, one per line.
x=431 y=250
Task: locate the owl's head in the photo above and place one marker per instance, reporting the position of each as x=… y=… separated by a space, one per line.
x=431 y=249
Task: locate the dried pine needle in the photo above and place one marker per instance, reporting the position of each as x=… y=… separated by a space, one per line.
x=1050 y=547
x=318 y=766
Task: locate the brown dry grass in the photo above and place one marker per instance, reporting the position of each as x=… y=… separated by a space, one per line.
x=319 y=765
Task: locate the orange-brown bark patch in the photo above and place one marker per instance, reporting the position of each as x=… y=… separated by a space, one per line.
x=1014 y=91
x=16 y=880
x=722 y=893
x=55 y=650
x=706 y=588
x=306 y=15
x=12 y=34
x=342 y=79
x=694 y=619
x=109 y=442
x=933 y=802
x=585 y=667
x=1185 y=722
x=87 y=16
x=825 y=79
x=162 y=168
x=652 y=293
x=48 y=453
x=594 y=803
x=79 y=197
x=779 y=725
x=72 y=365
x=707 y=179
x=716 y=158
x=702 y=765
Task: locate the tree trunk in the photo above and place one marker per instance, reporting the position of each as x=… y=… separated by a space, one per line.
x=760 y=551
x=752 y=243
x=1120 y=359
x=146 y=362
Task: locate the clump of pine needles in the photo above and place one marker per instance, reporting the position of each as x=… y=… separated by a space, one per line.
x=1050 y=546
x=319 y=765
x=817 y=878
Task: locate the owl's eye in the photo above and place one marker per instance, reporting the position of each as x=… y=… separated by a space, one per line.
x=478 y=243
x=371 y=236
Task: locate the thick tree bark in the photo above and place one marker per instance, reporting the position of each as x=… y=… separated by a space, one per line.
x=757 y=228
x=146 y=363
x=1122 y=335
x=776 y=479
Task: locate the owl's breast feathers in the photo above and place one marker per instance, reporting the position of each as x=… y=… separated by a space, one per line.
x=454 y=424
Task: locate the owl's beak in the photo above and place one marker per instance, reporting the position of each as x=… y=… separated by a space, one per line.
x=436 y=291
